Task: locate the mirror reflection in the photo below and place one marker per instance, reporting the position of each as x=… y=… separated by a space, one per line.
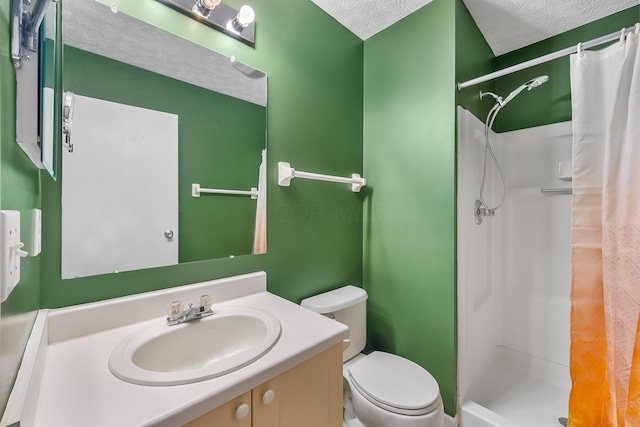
x=149 y=115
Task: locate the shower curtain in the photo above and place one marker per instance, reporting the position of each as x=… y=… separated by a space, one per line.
x=605 y=247
x=260 y=232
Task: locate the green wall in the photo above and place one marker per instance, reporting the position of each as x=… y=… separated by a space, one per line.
x=314 y=230
x=551 y=102
x=19 y=190
x=473 y=58
x=409 y=215
x=221 y=139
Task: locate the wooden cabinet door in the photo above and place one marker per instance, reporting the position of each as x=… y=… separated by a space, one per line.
x=308 y=395
x=227 y=415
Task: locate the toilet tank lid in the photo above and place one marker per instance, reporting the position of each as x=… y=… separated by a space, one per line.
x=335 y=300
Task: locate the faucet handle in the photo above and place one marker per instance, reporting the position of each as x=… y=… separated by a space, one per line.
x=205 y=302
x=174 y=310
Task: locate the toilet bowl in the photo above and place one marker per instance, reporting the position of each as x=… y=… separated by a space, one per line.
x=387 y=390
x=380 y=389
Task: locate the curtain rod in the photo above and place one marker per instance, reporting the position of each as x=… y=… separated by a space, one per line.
x=547 y=58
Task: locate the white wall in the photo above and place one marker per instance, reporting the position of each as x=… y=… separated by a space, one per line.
x=536 y=243
x=513 y=269
x=477 y=267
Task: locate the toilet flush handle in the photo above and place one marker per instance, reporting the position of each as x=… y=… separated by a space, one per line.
x=346 y=342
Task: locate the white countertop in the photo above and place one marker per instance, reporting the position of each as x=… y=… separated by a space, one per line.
x=77 y=388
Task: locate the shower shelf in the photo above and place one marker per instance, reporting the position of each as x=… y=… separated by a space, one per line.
x=556 y=191
x=564 y=171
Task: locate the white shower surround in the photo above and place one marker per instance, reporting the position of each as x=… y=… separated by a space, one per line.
x=513 y=280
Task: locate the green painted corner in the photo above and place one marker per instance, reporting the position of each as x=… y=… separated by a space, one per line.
x=474 y=58
x=409 y=209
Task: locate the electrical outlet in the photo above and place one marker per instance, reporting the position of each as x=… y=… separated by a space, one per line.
x=10 y=252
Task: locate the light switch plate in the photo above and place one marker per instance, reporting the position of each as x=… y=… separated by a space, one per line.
x=31 y=232
x=10 y=252
x=36 y=233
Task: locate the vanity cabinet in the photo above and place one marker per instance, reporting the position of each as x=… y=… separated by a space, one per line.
x=235 y=413
x=309 y=395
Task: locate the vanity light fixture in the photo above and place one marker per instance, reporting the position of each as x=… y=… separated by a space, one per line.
x=238 y=24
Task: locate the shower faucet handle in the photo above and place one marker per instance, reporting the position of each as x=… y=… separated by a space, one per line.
x=480 y=211
x=486 y=211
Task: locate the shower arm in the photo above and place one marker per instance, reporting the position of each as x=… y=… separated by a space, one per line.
x=498 y=99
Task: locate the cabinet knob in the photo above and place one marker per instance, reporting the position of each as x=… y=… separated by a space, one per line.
x=268 y=396
x=242 y=412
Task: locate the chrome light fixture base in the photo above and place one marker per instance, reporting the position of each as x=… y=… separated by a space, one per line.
x=218 y=18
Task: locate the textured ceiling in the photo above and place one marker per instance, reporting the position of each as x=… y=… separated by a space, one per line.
x=506 y=24
x=367 y=17
x=511 y=24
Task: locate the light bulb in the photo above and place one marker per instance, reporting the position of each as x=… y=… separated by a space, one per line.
x=242 y=20
x=204 y=7
x=246 y=16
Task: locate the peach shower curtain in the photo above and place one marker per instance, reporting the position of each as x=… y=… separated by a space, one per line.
x=260 y=232
x=605 y=247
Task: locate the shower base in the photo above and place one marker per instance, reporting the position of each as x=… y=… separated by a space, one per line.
x=518 y=391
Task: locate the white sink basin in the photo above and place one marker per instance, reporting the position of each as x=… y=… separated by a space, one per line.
x=195 y=351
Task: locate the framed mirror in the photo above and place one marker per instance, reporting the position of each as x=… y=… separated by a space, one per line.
x=149 y=118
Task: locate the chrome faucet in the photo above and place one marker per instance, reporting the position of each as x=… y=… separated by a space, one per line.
x=176 y=315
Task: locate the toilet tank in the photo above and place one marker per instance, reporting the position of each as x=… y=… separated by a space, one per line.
x=347 y=305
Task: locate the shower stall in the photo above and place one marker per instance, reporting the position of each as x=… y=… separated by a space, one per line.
x=514 y=277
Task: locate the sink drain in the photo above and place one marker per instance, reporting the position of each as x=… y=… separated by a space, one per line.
x=563 y=421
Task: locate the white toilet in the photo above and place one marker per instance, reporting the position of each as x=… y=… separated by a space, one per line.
x=380 y=389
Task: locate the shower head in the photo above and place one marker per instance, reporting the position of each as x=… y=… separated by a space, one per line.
x=528 y=86
x=536 y=82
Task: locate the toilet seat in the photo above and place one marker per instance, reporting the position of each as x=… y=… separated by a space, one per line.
x=395 y=384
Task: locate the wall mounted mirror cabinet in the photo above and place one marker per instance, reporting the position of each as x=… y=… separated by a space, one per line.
x=148 y=116
x=33 y=46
